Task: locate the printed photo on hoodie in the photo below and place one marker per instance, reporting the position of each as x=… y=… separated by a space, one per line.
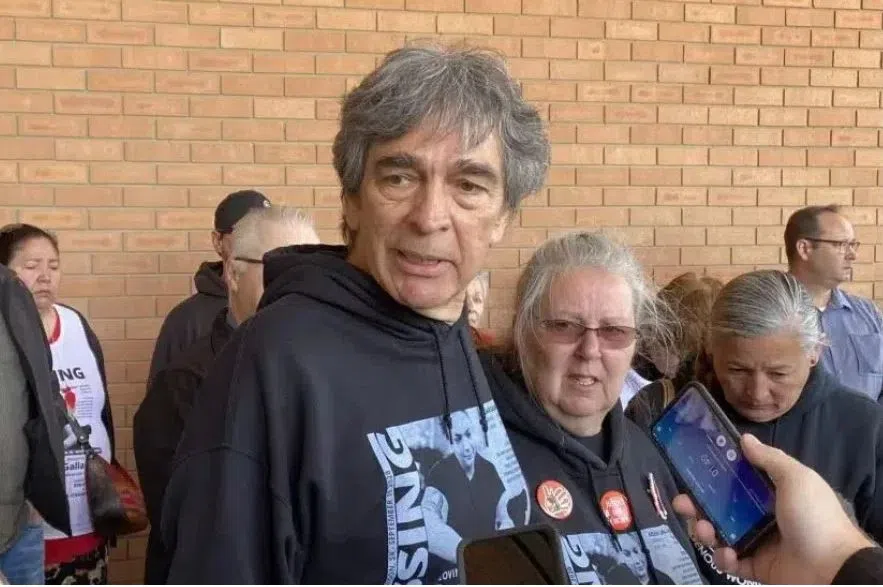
x=599 y=558
x=442 y=485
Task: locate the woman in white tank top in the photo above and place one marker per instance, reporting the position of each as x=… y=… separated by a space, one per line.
x=78 y=364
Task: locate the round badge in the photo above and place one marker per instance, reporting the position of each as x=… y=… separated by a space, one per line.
x=615 y=507
x=554 y=499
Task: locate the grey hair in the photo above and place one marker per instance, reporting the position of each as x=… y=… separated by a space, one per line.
x=570 y=252
x=462 y=90
x=251 y=234
x=766 y=302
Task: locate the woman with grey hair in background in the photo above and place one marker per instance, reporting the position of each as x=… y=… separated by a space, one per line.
x=581 y=304
x=761 y=365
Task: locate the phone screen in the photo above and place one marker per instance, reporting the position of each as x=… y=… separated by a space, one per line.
x=526 y=556
x=736 y=497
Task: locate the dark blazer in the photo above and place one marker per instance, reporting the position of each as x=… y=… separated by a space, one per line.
x=44 y=484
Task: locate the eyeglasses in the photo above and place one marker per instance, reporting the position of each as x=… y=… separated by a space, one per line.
x=841 y=246
x=249 y=260
x=609 y=337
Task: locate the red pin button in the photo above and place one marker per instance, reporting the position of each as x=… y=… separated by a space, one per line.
x=554 y=499
x=615 y=507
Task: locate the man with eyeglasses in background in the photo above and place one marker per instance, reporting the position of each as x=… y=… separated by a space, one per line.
x=821 y=247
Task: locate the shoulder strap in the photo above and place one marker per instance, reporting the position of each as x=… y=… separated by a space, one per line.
x=81 y=433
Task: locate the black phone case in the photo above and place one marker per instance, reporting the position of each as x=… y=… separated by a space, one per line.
x=552 y=536
x=747 y=545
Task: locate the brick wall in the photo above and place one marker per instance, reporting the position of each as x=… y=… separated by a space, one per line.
x=692 y=127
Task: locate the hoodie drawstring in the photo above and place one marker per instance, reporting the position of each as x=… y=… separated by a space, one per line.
x=473 y=377
x=446 y=417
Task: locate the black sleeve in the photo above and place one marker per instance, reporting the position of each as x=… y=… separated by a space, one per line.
x=162 y=348
x=227 y=514
x=865 y=567
x=156 y=431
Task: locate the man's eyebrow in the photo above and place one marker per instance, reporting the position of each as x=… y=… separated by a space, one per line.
x=397 y=160
x=478 y=169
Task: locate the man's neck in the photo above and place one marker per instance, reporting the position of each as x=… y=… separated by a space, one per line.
x=821 y=293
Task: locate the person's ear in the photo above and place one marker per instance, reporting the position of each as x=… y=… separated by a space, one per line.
x=815 y=355
x=216 y=243
x=351 y=210
x=804 y=248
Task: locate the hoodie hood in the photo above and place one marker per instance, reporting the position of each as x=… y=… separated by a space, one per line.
x=209 y=279
x=523 y=413
x=321 y=272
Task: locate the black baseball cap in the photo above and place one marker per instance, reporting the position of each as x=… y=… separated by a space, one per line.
x=235 y=206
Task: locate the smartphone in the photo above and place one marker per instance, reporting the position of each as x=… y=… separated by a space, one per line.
x=530 y=555
x=702 y=447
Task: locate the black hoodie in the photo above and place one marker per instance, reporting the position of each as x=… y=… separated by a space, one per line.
x=192 y=318
x=655 y=548
x=836 y=432
x=326 y=444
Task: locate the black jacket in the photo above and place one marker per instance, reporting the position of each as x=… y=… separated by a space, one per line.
x=192 y=318
x=45 y=481
x=655 y=548
x=157 y=429
x=311 y=451
x=836 y=432
x=865 y=567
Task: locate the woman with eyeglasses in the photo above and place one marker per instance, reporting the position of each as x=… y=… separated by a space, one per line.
x=593 y=474
x=78 y=364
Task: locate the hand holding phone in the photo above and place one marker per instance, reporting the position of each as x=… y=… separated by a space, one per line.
x=702 y=448
x=815 y=535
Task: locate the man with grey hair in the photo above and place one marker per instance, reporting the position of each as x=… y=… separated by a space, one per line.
x=160 y=419
x=821 y=247
x=306 y=462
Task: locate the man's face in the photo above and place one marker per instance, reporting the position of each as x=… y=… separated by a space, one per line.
x=425 y=215
x=826 y=263
x=475 y=294
x=463 y=440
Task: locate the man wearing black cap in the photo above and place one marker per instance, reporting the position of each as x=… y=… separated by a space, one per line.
x=193 y=317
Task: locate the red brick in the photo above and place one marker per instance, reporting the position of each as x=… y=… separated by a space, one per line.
x=75 y=56
x=87 y=9
x=54 y=218
x=853 y=177
x=122 y=173
x=598 y=216
x=52 y=125
x=870 y=78
x=187 y=83
x=284 y=108
x=529 y=68
x=154 y=11
x=152 y=104
x=809 y=18
x=679 y=235
x=57 y=172
x=368 y=42
x=606 y=9
x=117 y=80
x=155 y=241
x=50 y=78
x=834 y=38
x=856 y=98
x=408 y=22
x=809 y=57
x=636 y=30
x=707 y=176
x=311 y=130
x=253 y=175
x=154 y=58
x=606 y=134
x=119 y=34
x=175 y=35
x=868 y=157
x=156 y=151
x=869 y=118
x=88 y=196
x=345 y=64
x=833 y=77
x=315 y=41
x=630 y=113
x=655 y=176
x=551 y=7
x=654 y=216
x=618 y=71
x=833 y=157
x=832 y=117
x=735 y=34
x=287 y=153
x=732 y=196
x=755 y=15
x=657 y=51
x=188 y=174
x=871 y=39
x=731 y=235
x=103 y=126
x=800 y=177
x=285 y=17
x=154 y=196
x=49 y=30
x=220 y=60
x=686 y=74
x=759 y=96
x=759 y=176
x=784 y=76
x=708 y=136
x=783 y=116
x=189 y=129
x=124 y=263
x=788 y=36
x=310 y=175
x=249 y=38
x=157 y=285
x=26 y=8
x=26 y=148
x=807 y=137
x=710 y=13
x=677 y=114
x=856 y=137
x=90 y=285
x=22 y=53
x=34 y=195
x=734 y=75
x=8 y=174
x=580 y=28
x=431 y=5
x=365 y=20
x=121 y=219
x=687 y=32
x=88 y=150
x=858 y=19
x=758 y=217
x=222 y=152
x=220 y=14
x=736 y=156
x=708 y=54
x=733 y=115
x=784 y=157
x=221 y=106
x=657 y=11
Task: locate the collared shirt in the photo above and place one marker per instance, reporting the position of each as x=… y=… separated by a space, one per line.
x=854 y=355
x=631 y=386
